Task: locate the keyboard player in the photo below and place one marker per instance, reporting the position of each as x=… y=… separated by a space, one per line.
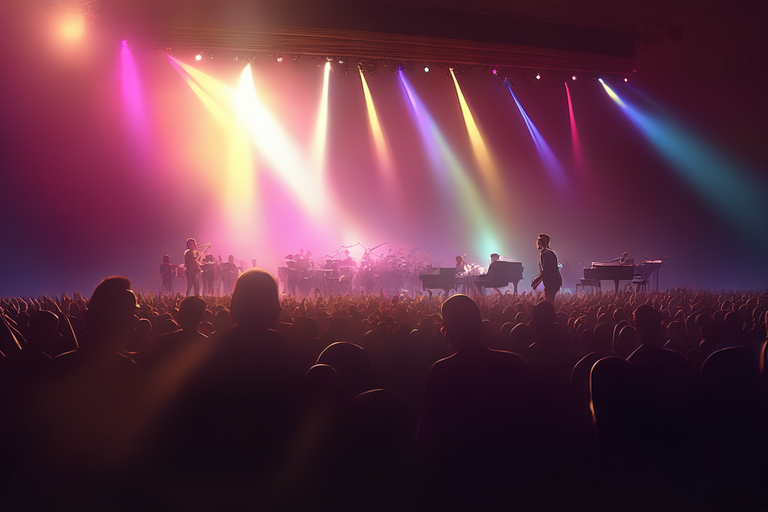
x=489 y=279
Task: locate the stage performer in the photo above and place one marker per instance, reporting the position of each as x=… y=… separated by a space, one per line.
x=192 y=264
x=166 y=273
x=549 y=273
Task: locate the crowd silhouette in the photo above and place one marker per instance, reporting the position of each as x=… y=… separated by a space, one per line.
x=607 y=401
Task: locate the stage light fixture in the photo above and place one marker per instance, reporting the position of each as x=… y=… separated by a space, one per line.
x=198 y=57
x=573 y=78
x=538 y=76
x=279 y=58
x=426 y=69
x=495 y=71
x=626 y=79
x=341 y=61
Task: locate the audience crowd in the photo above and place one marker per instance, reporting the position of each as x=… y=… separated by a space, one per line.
x=607 y=401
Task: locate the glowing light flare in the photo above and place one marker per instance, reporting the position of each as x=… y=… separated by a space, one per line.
x=553 y=167
x=578 y=158
x=445 y=164
x=198 y=57
x=380 y=143
x=282 y=154
x=321 y=126
x=72 y=27
x=724 y=183
x=485 y=163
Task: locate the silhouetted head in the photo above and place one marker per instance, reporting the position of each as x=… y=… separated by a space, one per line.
x=42 y=328
x=112 y=308
x=462 y=322
x=676 y=331
x=495 y=257
x=191 y=312
x=191 y=243
x=144 y=327
x=166 y=259
x=353 y=364
x=255 y=301
x=543 y=241
x=543 y=313
x=520 y=338
x=648 y=323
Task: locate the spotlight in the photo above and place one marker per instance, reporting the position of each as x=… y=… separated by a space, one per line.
x=211 y=56
x=495 y=71
x=538 y=76
x=426 y=69
x=279 y=58
x=507 y=82
x=573 y=78
x=600 y=80
x=341 y=61
x=198 y=57
x=626 y=79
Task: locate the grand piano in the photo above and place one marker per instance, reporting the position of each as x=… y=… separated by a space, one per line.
x=638 y=274
x=510 y=272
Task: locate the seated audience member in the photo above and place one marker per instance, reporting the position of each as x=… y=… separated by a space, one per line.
x=175 y=344
x=472 y=401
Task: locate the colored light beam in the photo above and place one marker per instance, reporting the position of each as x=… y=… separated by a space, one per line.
x=237 y=202
x=380 y=142
x=553 y=167
x=321 y=126
x=224 y=119
x=722 y=182
x=220 y=93
x=452 y=177
x=488 y=170
x=578 y=157
x=133 y=100
x=276 y=146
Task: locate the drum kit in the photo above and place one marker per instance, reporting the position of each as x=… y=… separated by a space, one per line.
x=340 y=273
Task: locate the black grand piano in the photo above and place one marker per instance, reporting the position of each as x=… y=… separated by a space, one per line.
x=638 y=274
x=446 y=278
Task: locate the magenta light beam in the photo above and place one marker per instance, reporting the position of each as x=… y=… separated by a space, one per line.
x=133 y=100
x=553 y=167
x=578 y=158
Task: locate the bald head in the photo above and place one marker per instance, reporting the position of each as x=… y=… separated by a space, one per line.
x=255 y=301
x=461 y=320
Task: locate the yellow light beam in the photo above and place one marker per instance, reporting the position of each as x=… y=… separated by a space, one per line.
x=485 y=163
x=272 y=141
x=321 y=126
x=382 y=148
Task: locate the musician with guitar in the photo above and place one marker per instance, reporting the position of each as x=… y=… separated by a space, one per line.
x=192 y=264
